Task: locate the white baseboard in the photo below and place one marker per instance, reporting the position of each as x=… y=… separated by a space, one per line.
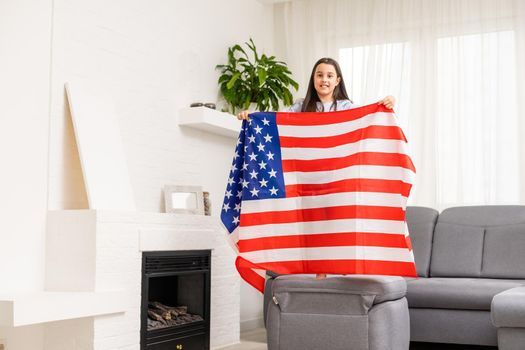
x=254 y=323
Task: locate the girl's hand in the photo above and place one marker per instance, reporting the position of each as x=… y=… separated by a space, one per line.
x=243 y=115
x=388 y=102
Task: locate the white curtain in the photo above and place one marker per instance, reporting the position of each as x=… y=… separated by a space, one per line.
x=456 y=68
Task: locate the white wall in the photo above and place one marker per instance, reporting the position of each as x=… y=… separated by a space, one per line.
x=154 y=58
x=24 y=109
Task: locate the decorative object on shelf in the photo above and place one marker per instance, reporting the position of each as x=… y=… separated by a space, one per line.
x=209 y=105
x=184 y=199
x=262 y=80
x=207 y=203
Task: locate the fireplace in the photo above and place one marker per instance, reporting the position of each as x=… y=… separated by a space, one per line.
x=175 y=310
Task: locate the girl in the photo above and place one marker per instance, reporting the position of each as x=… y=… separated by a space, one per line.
x=326 y=92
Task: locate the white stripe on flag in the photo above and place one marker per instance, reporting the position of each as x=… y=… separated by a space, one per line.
x=379 y=118
x=351 y=172
x=329 y=253
x=368 y=145
x=321 y=201
x=325 y=226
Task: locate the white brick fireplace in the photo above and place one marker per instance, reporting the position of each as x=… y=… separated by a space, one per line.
x=98 y=253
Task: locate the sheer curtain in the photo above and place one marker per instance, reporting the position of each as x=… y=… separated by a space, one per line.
x=456 y=68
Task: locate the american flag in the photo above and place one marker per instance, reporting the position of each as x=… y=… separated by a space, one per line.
x=320 y=193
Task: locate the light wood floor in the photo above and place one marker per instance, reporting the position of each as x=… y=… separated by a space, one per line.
x=250 y=340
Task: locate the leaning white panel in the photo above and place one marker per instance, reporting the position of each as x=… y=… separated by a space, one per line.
x=100 y=148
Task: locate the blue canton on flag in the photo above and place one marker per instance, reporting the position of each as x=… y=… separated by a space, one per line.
x=256 y=170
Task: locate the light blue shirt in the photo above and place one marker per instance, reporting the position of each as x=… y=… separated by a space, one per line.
x=321 y=107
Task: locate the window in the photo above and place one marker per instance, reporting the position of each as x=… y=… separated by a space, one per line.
x=477 y=155
x=372 y=72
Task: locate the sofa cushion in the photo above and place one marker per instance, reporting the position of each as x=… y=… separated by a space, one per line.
x=421 y=222
x=504 y=252
x=479 y=241
x=456 y=293
x=457 y=250
x=485 y=215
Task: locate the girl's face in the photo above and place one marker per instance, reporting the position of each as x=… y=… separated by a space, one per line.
x=325 y=81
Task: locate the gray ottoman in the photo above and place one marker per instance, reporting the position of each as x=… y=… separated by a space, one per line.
x=337 y=313
x=508 y=315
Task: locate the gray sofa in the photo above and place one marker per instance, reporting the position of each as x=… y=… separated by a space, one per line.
x=468 y=259
x=466 y=256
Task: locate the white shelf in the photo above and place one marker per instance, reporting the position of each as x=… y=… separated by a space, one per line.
x=210 y=120
x=31 y=308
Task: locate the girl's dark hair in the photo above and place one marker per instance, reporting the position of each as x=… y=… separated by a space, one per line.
x=311 y=98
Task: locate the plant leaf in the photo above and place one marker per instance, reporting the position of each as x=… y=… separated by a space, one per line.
x=233 y=80
x=262 y=76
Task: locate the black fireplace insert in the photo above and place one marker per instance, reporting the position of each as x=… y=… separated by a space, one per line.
x=175 y=310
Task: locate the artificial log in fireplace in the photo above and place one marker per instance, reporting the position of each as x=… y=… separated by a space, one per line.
x=175 y=310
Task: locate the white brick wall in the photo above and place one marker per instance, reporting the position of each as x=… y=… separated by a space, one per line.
x=152 y=59
x=121 y=237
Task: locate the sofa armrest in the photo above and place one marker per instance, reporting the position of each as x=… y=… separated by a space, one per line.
x=508 y=308
x=379 y=288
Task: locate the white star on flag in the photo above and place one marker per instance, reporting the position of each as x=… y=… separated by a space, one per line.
x=260 y=147
x=262 y=164
x=263 y=182
x=226 y=207
x=252 y=156
x=274 y=190
x=272 y=173
x=251 y=139
x=270 y=155
x=228 y=194
x=268 y=138
x=254 y=192
x=257 y=129
x=253 y=174
x=266 y=121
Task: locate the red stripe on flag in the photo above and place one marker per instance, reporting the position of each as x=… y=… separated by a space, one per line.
x=324 y=240
x=362 y=158
x=349 y=185
x=323 y=118
x=320 y=214
x=245 y=269
x=372 y=267
x=370 y=132
x=409 y=243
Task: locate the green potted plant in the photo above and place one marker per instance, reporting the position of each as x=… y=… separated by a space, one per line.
x=259 y=79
